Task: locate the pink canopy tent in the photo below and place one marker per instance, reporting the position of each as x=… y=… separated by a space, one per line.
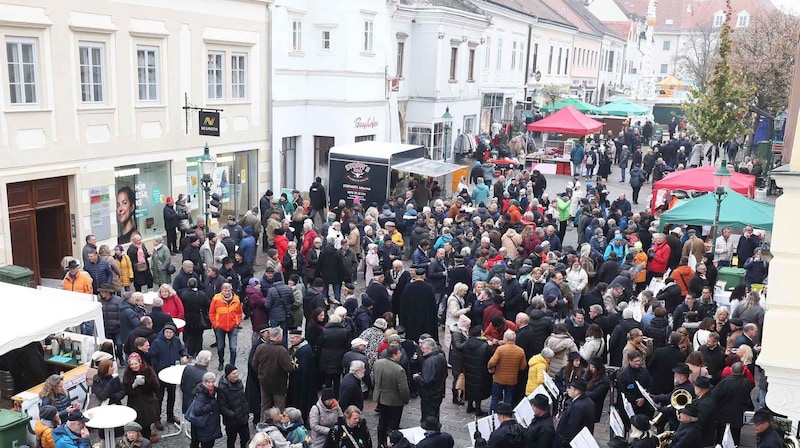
x=567 y=121
x=702 y=179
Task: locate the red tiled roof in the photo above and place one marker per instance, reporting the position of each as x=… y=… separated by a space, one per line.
x=688 y=14
x=564 y=9
x=620 y=29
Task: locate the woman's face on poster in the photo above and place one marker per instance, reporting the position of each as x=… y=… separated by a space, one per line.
x=125 y=207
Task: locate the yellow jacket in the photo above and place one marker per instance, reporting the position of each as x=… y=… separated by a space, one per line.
x=126 y=270
x=397 y=238
x=81 y=283
x=44 y=434
x=537 y=369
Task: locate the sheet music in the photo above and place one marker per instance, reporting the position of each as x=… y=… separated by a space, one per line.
x=551 y=386
x=540 y=390
x=484 y=426
x=646 y=396
x=524 y=413
x=414 y=435
x=584 y=439
x=727 y=438
x=616 y=423
x=628 y=406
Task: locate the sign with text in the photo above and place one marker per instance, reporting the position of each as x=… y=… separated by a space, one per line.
x=209 y=123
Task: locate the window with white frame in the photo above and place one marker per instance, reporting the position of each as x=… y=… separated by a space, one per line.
x=550 y=61
x=239 y=76
x=566 y=61
x=558 y=64
x=297 y=35
x=664 y=68
x=437 y=149
x=453 y=63
x=666 y=45
x=499 y=53
x=147 y=73
x=401 y=50
x=369 y=32
x=216 y=78
x=743 y=19
x=471 y=65
x=469 y=123
x=521 y=64
x=719 y=18
x=488 y=50
x=513 y=56
x=92 y=69
x=419 y=135
x=326 y=40
x=22 y=76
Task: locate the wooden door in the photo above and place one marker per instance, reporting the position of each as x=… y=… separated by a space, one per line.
x=23 y=243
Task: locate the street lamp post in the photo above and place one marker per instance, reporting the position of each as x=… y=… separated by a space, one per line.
x=447 y=122
x=722 y=178
x=207 y=164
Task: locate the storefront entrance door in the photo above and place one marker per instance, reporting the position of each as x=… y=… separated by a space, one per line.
x=40 y=229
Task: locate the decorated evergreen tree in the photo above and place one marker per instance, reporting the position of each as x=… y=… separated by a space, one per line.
x=717 y=113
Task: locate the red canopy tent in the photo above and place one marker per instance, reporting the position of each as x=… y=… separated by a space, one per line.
x=567 y=121
x=702 y=179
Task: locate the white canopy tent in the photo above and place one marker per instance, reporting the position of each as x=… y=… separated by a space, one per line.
x=30 y=315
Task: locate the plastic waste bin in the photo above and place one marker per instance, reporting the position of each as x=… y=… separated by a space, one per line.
x=732 y=277
x=13 y=428
x=16 y=275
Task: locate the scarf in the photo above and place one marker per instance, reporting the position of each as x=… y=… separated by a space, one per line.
x=125 y=443
x=140 y=258
x=293 y=256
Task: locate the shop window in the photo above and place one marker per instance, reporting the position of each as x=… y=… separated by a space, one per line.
x=289 y=165
x=142 y=192
x=437 y=150
x=420 y=136
x=235 y=182
x=365 y=138
x=322 y=148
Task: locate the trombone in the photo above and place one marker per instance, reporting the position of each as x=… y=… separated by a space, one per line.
x=679 y=399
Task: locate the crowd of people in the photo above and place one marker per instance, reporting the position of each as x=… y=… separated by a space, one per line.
x=477 y=292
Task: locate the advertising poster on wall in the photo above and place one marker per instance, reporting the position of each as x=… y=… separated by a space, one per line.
x=222 y=181
x=142 y=191
x=100 y=210
x=355 y=179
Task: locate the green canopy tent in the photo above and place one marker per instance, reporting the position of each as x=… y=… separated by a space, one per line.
x=582 y=107
x=623 y=108
x=735 y=211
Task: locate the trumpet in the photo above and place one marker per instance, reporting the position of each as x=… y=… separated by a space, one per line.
x=664 y=438
x=678 y=400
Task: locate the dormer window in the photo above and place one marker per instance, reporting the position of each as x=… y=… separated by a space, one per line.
x=743 y=19
x=719 y=19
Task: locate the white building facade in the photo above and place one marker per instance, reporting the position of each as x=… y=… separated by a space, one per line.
x=330 y=82
x=92 y=130
x=439 y=55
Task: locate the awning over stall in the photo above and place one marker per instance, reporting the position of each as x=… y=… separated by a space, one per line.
x=427 y=167
x=33 y=314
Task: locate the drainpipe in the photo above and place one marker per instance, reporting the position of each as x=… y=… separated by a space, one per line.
x=528 y=64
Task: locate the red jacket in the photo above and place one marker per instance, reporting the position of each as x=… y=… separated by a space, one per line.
x=174 y=307
x=660 y=258
x=308 y=242
x=282 y=245
x=489 y=313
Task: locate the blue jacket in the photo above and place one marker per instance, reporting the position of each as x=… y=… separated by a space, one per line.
x=620 y=250
x=552 y=293
x=164 y=352
x=65 y=438
x=441 y=240
x=128 y=319
x=420 y=258
x=480 y=193
x=207 y=406
x=248 y=248
x=101 y=273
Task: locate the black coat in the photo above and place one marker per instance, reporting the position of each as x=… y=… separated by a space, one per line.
x=626 y=385
x=732 y=396
x=579 y=413
x=708 y=417
x=619 y=337
x=658 y=331
x=302 y=392
x=335 y=342
x=232 y=403
x=475 y=356
x=436 y=276
x=160 y=318
x=253 y=386
x=769 y=439
x=377 y=292
x=195 y=307
x=541 y=432
x=317 y=196
x=437 y=440
x=419 y=310
x=542 y=326
x=331 y=265
x=350 y=392
x=460 y=274
x=526 y=339
x=433 y=375
x=362 y=318
x=192 y=376
x=597 y=392
x=208 y=405
x=688 y=435
x=111 y=315
x=660 y=366
x=509 y=434
x=671 y=296
x=397 y=294
x=313 y=300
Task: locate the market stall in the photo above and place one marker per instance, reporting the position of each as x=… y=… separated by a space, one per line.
x=579 y=105
x=699 y=179
x=570 y=122
x=735 y=211
x=624 y=108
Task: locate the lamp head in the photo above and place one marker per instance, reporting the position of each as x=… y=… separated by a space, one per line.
x=722 y=176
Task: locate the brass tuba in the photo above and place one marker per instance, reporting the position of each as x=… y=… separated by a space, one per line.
x=665 y=438
x=791 y=442
x=679 y=399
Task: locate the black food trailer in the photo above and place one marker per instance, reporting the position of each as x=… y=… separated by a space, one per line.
x=374 y=171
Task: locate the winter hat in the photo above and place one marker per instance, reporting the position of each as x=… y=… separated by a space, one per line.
x=170 y=326
x=48 y=412
x=229 y=368
x=367 y=302
x=328 y=394
x=396 y=436
x=318 y=283
x=464 y=322
x=380 y=323
x=132 y=426
x=253 y=282
x=394 y=338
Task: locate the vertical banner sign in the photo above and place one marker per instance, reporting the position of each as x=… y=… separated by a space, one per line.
x=209 y=123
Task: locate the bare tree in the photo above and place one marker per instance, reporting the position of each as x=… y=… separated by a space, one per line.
x=764 y=53
x=552 y=93
x=698 y=54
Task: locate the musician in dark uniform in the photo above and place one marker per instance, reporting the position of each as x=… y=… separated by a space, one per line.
x=509 y=434
x=681 y=374
x=640 y=433
x=707 y=407
x=626 y=384
x=766 y=435
x=688 y=434
x=578 y=414
x=542 y=431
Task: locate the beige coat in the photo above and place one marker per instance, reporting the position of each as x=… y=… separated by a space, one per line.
x=354 y=239
x=511 y=240
x=562 y=345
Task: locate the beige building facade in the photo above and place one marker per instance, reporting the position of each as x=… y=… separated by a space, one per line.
x=93 y=133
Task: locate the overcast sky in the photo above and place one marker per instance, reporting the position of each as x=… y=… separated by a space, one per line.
x=790 y=5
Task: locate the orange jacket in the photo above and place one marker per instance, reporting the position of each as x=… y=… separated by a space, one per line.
x=225 y=316
x=683 y=275
x=81 y=283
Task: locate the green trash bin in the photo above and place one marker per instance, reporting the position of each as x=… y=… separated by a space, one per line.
x=16 y=275
x=13 y=428
x=732 y=277
x=764 y=150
